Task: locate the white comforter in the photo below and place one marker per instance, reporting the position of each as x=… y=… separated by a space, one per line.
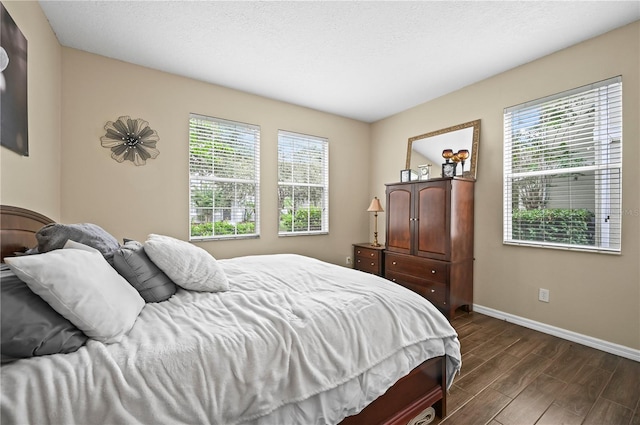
x=294 y=340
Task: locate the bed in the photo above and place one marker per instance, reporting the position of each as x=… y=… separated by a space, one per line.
x=293 y=340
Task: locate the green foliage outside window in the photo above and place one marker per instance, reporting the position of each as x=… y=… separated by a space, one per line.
x=305 y=220
x=222 y=228
x=575 y=227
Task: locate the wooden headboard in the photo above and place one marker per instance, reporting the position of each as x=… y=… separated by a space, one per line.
x=18 y=227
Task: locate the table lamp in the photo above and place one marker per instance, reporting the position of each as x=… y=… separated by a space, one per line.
x=375 y=208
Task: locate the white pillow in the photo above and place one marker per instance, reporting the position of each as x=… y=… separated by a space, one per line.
x=79 y=284
x=187 y=265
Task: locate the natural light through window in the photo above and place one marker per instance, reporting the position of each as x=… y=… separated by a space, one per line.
x=303 y=184
x=224 y=178
x=563 y=169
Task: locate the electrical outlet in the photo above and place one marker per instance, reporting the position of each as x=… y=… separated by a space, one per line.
x=348 y=260
x=543 y=295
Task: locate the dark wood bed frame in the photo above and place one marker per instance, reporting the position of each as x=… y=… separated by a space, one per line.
x=423 y=387
x=18 y=229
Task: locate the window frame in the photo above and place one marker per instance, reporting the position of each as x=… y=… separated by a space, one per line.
x=229 y=128
x=322 y=144
x=605 y=141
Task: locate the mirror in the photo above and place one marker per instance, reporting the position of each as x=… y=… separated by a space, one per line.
x=427 y=149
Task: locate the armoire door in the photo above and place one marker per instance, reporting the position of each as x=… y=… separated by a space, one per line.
x=432 y=237
x=399 y=219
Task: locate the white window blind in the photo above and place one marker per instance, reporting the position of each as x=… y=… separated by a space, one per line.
x=303 y=184
x=563 y=169
x=224 y=178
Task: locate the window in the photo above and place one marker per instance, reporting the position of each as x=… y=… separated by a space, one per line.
x=303 y=184
x=224 y=178
x=563 y=169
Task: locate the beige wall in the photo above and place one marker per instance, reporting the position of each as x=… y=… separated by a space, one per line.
x=34 y=182
x=593 y=294
x=132 y=201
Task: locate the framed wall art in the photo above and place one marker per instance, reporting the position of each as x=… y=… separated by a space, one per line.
x=14 y=128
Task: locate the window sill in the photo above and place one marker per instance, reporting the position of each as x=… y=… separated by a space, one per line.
x=593 y=250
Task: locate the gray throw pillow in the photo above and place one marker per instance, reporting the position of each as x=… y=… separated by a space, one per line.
x=134 y=265
x=55 y=235
x=30 y=326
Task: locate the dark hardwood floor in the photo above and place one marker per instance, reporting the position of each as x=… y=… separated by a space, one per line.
x=514 y=375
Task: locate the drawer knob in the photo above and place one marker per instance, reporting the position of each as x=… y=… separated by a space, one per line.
x=433 y=290
x=373 y=264
x=433 y=272
x=394 y=279
x=394 y=263
x=372 y=254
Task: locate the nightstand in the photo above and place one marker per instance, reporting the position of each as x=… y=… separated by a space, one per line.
x=368 y=258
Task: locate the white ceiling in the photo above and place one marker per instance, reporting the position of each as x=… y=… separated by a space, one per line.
x=360 y=59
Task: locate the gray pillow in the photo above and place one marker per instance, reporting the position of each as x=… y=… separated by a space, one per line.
x=30 y=327
x=134 y=265
x=55 y=235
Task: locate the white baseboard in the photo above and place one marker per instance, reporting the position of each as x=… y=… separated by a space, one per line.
x=609 y=347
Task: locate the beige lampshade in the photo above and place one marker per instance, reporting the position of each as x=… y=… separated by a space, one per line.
x=375 y=206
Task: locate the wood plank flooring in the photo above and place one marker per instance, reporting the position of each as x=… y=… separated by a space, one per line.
x=512 y=375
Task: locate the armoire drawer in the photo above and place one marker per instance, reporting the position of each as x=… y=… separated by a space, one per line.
x=423 y=268
x=433 y=291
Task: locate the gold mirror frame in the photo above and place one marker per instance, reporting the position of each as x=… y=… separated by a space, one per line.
x=473 y=143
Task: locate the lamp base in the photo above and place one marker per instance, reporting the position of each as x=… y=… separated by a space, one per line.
x=375 y=238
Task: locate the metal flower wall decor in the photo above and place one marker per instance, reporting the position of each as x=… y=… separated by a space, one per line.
x=130 y=140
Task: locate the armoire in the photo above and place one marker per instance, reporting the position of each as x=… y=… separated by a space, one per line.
x=429 y=240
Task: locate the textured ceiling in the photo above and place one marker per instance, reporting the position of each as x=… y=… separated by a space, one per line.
x=359 y=59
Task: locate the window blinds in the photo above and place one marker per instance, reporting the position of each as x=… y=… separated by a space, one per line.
x=224 y=178
x=563 y=169
x=303 y=183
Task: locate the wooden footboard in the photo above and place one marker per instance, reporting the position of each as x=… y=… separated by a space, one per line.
x=424 y=386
